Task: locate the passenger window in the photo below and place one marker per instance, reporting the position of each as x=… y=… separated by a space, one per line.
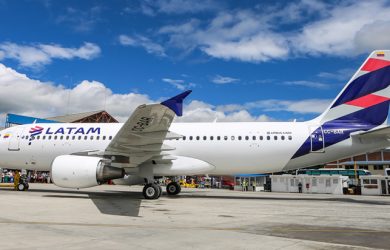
x=91 y=137
x=232 y=138
x=110 y=137
x=73 y=137
x=191 y=138
x=184 y=138
x=218 y=137
x=261 y=137
x=246 y=137
x=197 y=138
x=204 y=138
x=79 y=137
x=275 y=137
x=49 y=137
x=282 y=137
x=85 y=137
x=104 y=137
x=211 y=138
x=239 y=138
x=62 y=137
x=43 y=137
x=38 y=137
x=268 y=137
x=290 y=137
x=55 y=137
x=225 y=138
x=67 y=137
x=97 y=137
x=254 y=138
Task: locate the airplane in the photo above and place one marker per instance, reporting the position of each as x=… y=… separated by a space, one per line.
x=148 y=144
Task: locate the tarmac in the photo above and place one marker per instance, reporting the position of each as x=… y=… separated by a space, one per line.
x=117 y=217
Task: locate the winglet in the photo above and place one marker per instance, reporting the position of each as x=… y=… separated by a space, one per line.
x=176 y=102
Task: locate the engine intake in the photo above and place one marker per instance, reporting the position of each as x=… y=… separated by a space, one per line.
x=72 y=171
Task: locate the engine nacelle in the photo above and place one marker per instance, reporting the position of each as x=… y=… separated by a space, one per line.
x=72 y=171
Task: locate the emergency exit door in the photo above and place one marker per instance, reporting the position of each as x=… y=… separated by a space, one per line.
x=317 y=142
x=14 y=139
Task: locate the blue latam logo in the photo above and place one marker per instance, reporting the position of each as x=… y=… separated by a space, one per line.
x=37 y=130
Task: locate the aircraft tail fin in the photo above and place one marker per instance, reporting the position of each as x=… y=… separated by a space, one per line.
x=365 y=98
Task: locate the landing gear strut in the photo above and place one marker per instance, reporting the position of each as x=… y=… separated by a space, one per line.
x=173 y=188
x=152 y=191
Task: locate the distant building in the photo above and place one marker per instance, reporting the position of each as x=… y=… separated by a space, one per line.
x=375 y=162
x=100 y=116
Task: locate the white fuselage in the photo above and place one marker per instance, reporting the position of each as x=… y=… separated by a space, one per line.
x=233 y=148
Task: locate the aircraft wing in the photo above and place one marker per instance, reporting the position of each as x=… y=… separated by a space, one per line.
x=369 y=136
x=142 y=135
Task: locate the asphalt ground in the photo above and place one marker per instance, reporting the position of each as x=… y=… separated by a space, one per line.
x=117 y=217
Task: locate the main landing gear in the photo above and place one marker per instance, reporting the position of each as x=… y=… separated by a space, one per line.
x=173 y=188
x=153 y=191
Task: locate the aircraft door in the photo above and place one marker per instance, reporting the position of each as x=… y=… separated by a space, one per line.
x=14 y=139
x=317 y=142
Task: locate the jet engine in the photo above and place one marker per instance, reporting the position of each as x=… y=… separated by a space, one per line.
x=72 y=171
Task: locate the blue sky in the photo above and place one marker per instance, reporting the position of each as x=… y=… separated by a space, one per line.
x=244 y=60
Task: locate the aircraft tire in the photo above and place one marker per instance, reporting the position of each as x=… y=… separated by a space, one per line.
x=151 y=191
x=161 y=191
x=173 y=188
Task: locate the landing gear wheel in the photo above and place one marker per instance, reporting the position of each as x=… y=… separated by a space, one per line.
x=151 y=191
x=161 y=191
x=21 y=187
x=173 y=188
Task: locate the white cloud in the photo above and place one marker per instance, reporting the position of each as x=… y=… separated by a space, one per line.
x=309 y=84
x=81 y=20
x=308 y=106
x=345 y=30
x=179 y=84
x=314 y=28
x=38 y=55
x=372 y=36
x=152 y=7
x=143 y=42
x=340 y=75
x=22 y=95
x=218 y=79
x=197 y=111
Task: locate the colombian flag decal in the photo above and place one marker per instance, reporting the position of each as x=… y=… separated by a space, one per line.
x=380 y=54
x=6 y=135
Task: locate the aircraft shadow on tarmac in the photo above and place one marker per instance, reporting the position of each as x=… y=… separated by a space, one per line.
x=122 y=203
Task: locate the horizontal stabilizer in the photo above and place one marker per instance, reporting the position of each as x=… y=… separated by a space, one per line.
x=372 y=135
